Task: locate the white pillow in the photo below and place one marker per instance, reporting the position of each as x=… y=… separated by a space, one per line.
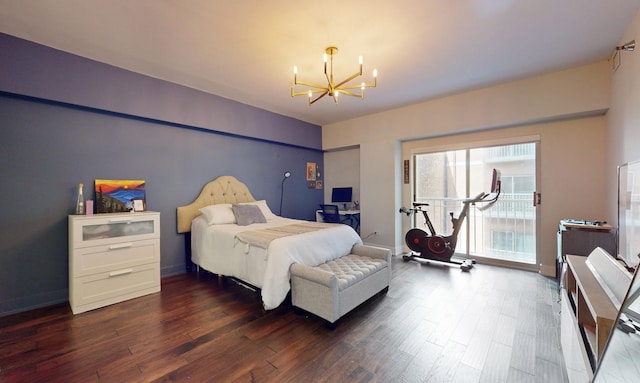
x=219 y=214
x=262 y=204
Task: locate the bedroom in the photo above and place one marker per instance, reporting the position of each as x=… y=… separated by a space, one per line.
x=59 y=148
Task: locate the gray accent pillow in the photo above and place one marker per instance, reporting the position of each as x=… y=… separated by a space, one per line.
x=248 y=214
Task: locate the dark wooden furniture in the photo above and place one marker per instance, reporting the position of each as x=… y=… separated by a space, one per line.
x=581 y=239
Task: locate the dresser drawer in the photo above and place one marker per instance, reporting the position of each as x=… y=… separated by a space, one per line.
x=106 y=288
x=103 y=229
x=100 y=259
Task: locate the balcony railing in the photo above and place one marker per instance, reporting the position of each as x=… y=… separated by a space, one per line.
x=511 y=152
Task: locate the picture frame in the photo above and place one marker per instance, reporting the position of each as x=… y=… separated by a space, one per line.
x=319 y=184
x=139 y=205
x=116 y=196
x=311 y=171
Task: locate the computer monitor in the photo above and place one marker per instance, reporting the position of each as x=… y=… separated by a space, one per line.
x=342 y=195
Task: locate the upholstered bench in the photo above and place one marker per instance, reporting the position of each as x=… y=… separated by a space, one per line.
x=334 y=288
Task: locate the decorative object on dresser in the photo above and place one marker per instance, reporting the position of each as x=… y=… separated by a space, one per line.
x=114 y=196
x=80 y=202
x=112 y=258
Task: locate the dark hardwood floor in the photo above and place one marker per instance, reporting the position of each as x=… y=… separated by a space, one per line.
x=436 y=324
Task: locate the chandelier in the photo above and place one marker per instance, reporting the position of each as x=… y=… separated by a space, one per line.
x=331 y=88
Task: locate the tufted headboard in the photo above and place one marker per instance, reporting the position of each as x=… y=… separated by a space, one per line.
x=224 y=189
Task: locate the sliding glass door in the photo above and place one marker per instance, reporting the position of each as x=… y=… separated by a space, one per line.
x=505 y=231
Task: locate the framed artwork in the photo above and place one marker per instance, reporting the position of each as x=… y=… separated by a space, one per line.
x=318 y=184
x=311 y=171
x=406 y=171
x=311 y=184
x=114 y=196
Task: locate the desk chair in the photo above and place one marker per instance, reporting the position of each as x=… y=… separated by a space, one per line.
x=331 y=214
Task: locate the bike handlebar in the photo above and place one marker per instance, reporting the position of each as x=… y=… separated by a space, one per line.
x=477 y=198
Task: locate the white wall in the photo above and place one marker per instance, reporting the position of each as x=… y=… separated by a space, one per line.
x=569 y=94
x=624 y=116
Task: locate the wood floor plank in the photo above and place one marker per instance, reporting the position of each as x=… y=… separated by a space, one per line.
x=445 y=367
x=496 y=370
x=467 y=374
x=421 y=364
x=505 y=329
x=519 y=376
x=523 y=356
x=435 y=324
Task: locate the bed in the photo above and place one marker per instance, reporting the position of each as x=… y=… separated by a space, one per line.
x=232 y=234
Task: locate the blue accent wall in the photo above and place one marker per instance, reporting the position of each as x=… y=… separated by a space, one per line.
x=86 y=120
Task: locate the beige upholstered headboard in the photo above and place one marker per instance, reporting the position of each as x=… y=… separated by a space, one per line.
x=224 y=189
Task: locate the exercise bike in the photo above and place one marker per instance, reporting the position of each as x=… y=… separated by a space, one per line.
x=441 y=248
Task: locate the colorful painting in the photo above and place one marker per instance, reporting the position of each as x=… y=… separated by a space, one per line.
x=113 y=196
x=311 y=171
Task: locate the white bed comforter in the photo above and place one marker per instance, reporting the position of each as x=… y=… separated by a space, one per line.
x=216 y=249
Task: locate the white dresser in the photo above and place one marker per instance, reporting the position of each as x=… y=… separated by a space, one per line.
x=112 y=258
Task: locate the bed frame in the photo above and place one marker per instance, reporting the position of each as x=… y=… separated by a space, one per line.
x=224 y=189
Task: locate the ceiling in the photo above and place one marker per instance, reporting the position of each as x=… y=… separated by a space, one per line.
x=245 y=50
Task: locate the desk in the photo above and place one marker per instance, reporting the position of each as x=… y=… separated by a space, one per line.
x=354 y=214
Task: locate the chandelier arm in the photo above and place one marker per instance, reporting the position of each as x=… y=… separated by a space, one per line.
x=329 y=80
x=347 y=80
x=311 y=85
x=357 y=86
x=349 y=93
x=306 y=92
x=326 y=92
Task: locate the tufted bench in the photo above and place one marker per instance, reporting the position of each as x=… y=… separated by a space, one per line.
x=334 y=288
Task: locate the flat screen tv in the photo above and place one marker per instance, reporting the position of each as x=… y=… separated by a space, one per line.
x=342 y=195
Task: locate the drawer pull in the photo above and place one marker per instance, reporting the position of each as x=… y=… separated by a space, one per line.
x=120 y=272
x=120 y=220
x=120 y=246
